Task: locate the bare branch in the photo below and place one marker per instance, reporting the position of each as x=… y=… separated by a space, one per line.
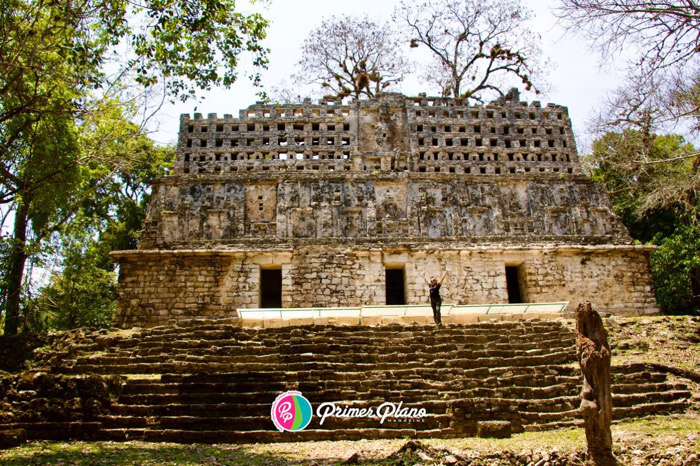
x=344 y=51
x=479 y=47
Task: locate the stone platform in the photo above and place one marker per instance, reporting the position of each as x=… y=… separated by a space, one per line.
x=384 y=315
x=201 y=381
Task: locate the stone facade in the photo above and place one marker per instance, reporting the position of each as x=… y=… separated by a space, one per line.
x=335 y=194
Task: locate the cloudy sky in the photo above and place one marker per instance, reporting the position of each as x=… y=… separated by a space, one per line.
x=578 y=79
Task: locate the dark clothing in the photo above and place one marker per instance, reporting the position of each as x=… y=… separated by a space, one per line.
x=434 y=291
x=436 y=302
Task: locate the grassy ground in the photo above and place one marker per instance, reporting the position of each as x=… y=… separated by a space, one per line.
x=647 y=441
x=670 y=340
x=670 y=440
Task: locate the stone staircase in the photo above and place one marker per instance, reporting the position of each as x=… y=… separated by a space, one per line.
x=207 y=381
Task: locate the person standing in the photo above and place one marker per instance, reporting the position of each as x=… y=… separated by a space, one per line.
x=435 y=298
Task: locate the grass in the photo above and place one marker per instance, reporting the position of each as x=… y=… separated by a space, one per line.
x=650 y=434
x=671 y=340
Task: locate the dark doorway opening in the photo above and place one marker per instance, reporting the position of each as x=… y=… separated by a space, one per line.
x=395 y=287
x=513 y=283
x=271 y=288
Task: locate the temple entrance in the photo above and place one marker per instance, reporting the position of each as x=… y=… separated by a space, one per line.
x=395 y=294
x=513 y=284
x=270 y=288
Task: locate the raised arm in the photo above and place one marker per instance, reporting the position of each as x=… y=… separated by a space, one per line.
x=425 y=278
x=443 y=277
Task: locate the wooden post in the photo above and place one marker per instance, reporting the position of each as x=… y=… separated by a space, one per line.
x=593 y=353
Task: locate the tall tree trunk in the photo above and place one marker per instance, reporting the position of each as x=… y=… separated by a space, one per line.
x=15 y=272
x=594 y=356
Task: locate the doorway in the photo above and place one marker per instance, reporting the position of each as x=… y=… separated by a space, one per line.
x=513 y=284
x=270 y=288
x=395 y=288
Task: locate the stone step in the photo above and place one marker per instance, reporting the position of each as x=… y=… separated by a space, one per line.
x=338 y=353
x=552 y=417
x=478 y=387
x=624 y=389
x=337 y=349
x=630 y=400
x=650 y=409
x=450 y=342
x=548 y=405
x=191 y=409
x=269 y=435
x=245 y=408
x=59 y=430
x=628 y=376
x=359 y=364
x=330 y=395
x=552 y=391
x=298 y=361
x=553 y=425
x=475 y=328
x=423 y=334
x=261 y=422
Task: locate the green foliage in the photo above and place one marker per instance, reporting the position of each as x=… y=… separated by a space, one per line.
x=71 y=162
x=646 y=192
x=83 y=291
x=652 y=180
x=676 y=269
x=196 y=44
x=82 y=294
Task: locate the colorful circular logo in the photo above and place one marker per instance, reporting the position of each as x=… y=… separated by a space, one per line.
x=291 y=412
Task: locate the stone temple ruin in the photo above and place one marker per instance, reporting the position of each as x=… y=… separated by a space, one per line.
x=345 y=204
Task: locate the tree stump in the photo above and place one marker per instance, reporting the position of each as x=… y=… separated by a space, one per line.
x=593 y=353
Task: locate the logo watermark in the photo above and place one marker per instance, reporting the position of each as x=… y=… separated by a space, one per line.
x=387 y=411
x=291 y=412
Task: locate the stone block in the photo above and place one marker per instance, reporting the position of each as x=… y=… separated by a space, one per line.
x=416 y=319
x=371 y=320
x=490 y=317
x=348 y=320
x=465 y=318
x=301 y=321
x=252 y=323
x=391 y=320
x=274 y=323
x=12 y=438
x=493 y=429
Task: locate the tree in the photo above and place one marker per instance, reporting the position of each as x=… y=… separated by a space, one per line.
x=662 y=39
x=352 y=56
x=676 y=270
x=81 y=295
x=653 y=181
x=641 y=177
x=82 y=290
x=61 y=65
x=476 y=46
x=663 y=32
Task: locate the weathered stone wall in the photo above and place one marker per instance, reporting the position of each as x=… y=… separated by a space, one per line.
x=333 y=193
x=422 y=134
x=158 y=286
x=187 y=213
